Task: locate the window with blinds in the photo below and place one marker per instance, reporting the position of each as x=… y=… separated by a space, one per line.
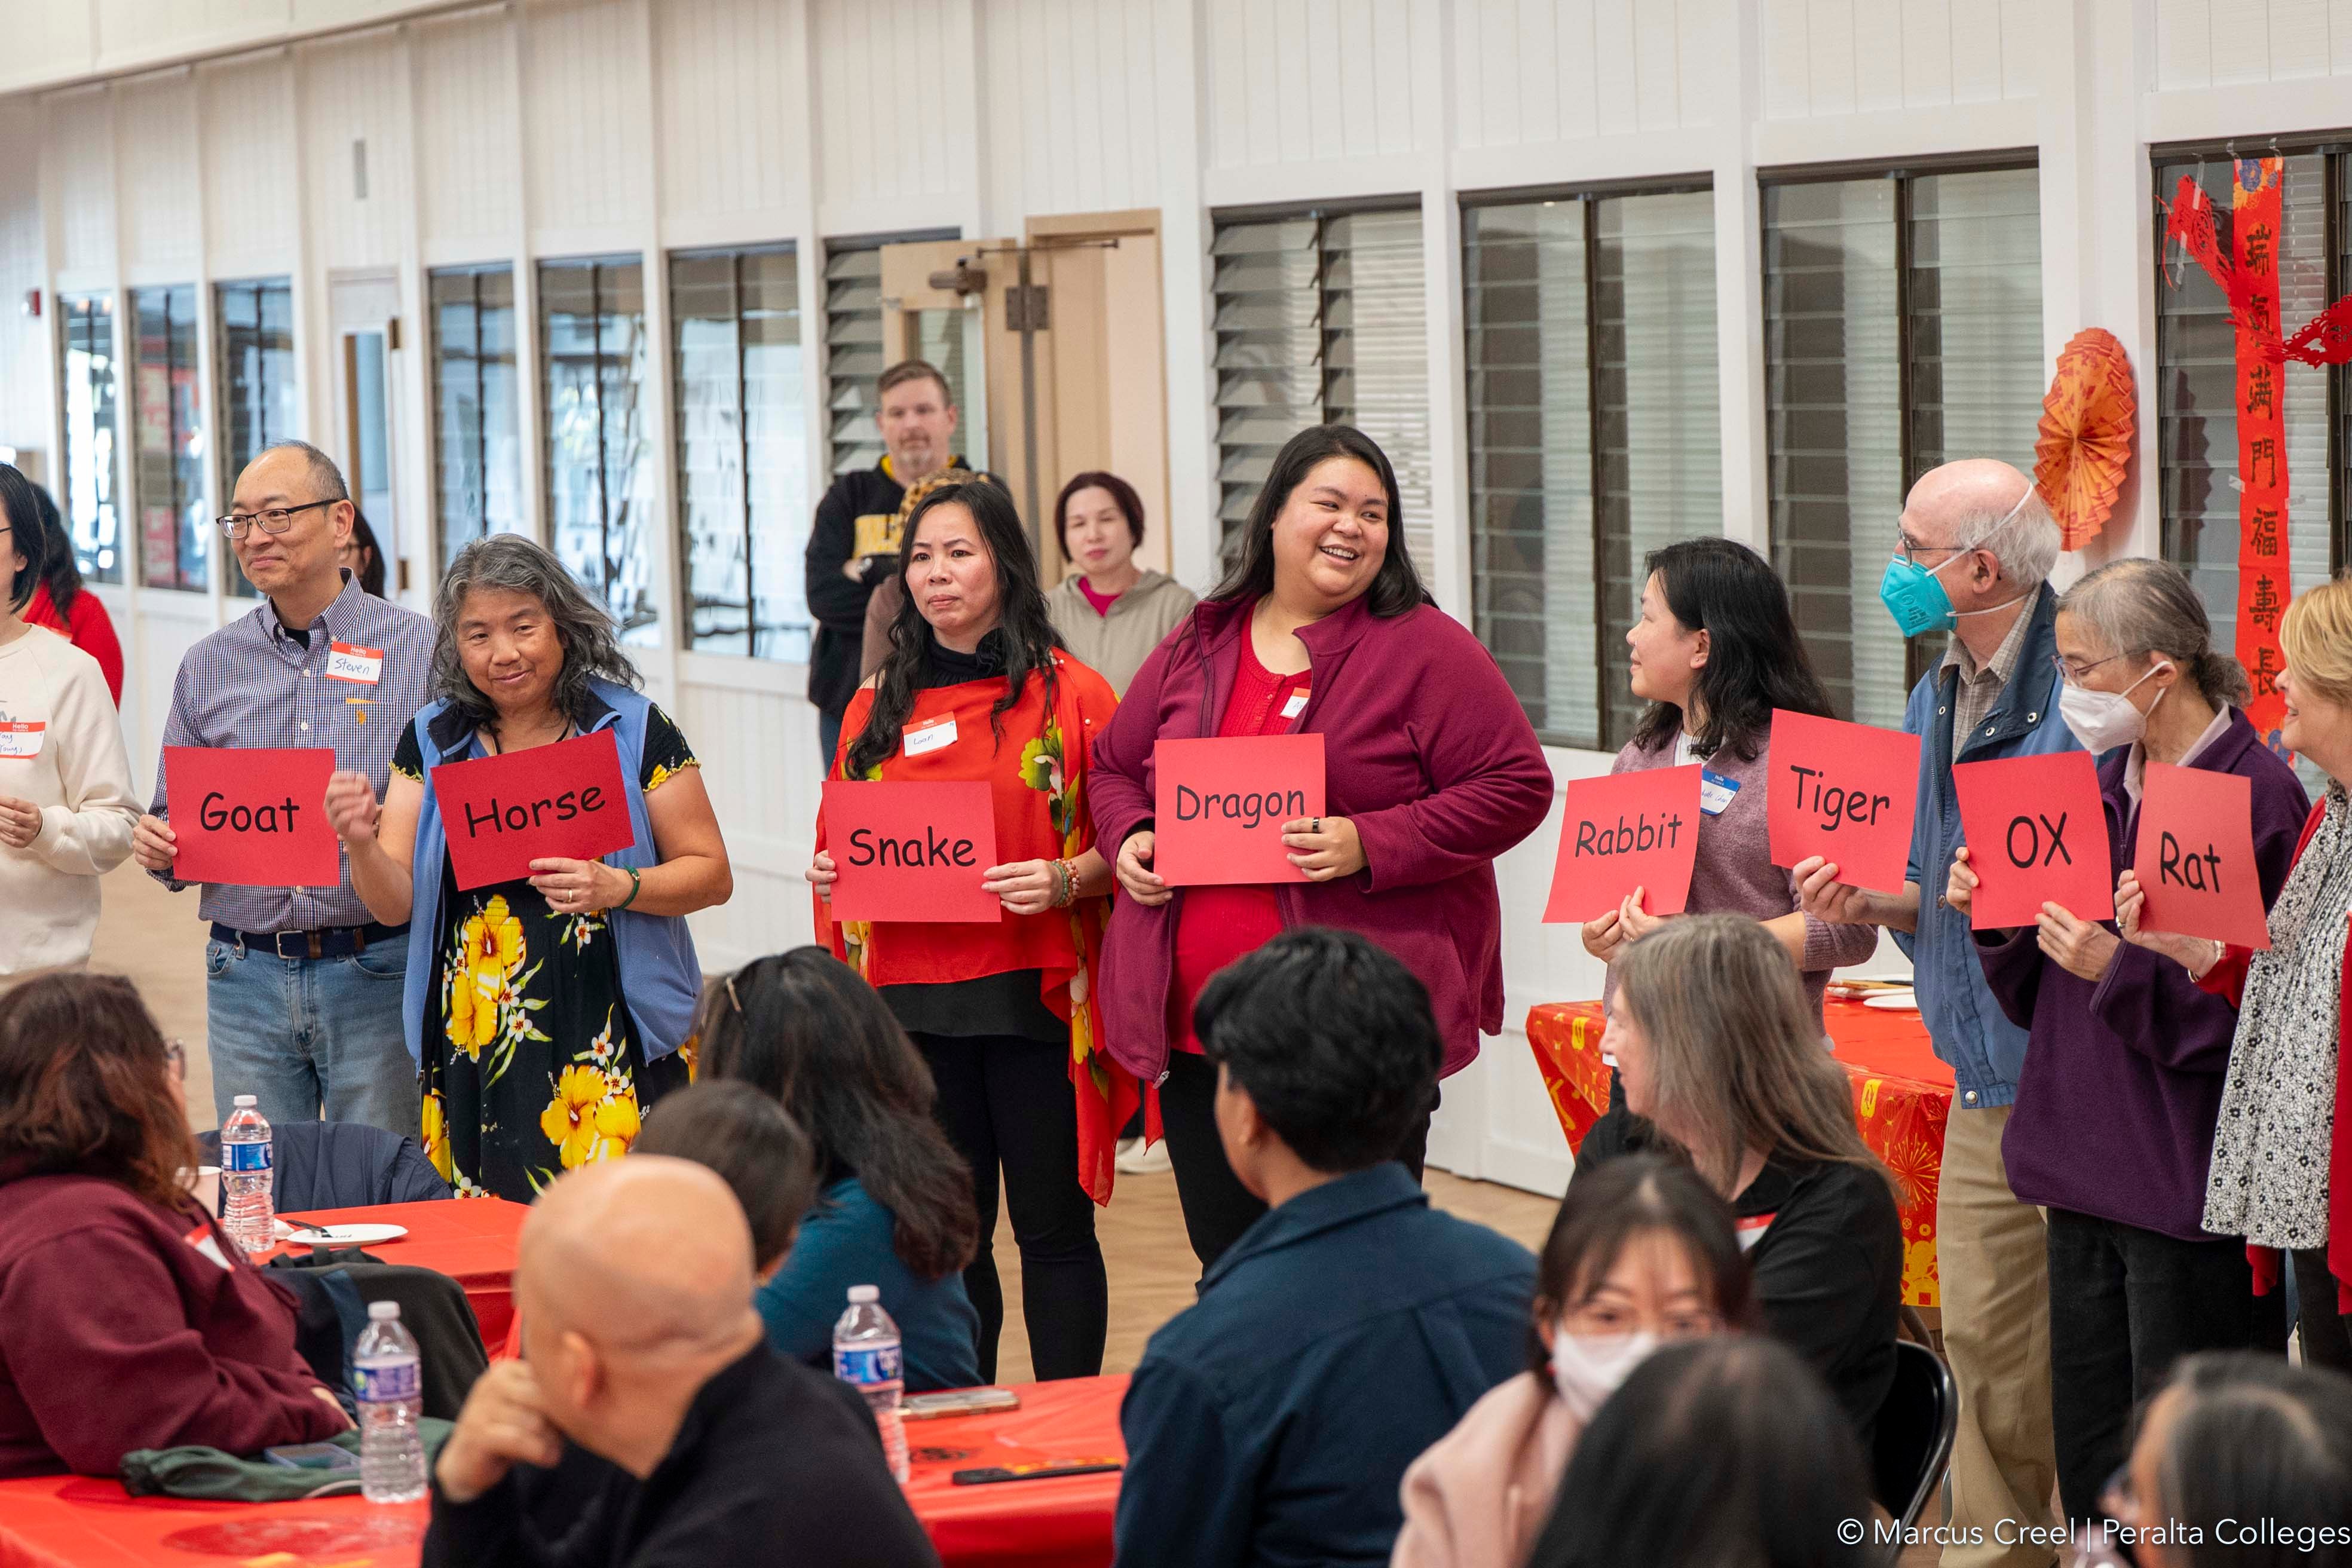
x=854 y=355
x=1903 y=330
x=262 y=400
x=743 y=471
x=1321 y=318
x=2197 y=388
x=1594 y=435
x=592 y=319
x=175 y=528
x=477 y=449
x=86 y=398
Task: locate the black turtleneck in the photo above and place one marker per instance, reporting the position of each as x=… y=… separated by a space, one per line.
x=942 y=666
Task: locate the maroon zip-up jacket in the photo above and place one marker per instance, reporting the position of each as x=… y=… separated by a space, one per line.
x=116 y=1334
x=1426 y=751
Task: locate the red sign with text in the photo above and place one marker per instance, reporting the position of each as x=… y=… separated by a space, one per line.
x=251 y=817
x=1846 y=792
x=563 y=802
x=2195 y=855
x=1621 y=832
x=911 y=851
x=2037 y=834
x=1219 y=805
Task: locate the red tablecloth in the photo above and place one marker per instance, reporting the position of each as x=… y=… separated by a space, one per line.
x=1902 y=1094
x=472 y=1240
x=1059 y=1523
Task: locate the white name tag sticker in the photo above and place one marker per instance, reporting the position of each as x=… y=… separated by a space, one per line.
x=21 y=739
x=349 y=661
x=1297 y=703
x=1715 y=792
x=931 y=735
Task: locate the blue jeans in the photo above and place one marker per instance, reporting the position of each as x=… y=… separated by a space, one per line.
x=307 y=1034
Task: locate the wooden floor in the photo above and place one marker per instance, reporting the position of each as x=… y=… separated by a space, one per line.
x=154 y=937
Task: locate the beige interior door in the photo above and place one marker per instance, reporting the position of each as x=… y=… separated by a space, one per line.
x=365 y=307
x=922 y=320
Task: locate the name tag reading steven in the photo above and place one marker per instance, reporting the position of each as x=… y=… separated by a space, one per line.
x=909 y=851
x=1220 y=805
x=349 y=661
x=931 y=735
x=21 y=739
x=565 y=802
x=1297 y=703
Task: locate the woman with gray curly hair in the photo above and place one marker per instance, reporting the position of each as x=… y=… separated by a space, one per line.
x=545 y=1013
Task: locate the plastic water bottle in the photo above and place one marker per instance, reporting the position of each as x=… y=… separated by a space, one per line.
x=866 y=1351
x=390 y=1382
x=247 y=1211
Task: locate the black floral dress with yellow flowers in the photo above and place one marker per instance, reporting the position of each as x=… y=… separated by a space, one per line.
x=536 y=1067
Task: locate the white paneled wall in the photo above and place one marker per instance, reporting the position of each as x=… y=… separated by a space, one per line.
x=541 y=127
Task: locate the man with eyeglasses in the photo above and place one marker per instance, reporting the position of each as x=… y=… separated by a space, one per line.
x=1974 y=549
x=303 y=990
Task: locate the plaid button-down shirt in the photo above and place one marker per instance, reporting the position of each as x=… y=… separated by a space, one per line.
x=249 y=684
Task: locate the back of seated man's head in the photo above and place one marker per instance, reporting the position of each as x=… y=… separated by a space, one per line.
x=1332 y=1040
x=750 y=1141
x=633 y=1279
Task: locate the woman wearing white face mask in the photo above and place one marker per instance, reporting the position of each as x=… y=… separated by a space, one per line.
x=2122 y=1084
x=1641 y=1254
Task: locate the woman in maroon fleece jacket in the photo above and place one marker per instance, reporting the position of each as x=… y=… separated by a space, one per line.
x=1431 y=772
x=128 y=1319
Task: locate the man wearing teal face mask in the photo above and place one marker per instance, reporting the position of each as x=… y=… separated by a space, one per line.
x=1975 y=547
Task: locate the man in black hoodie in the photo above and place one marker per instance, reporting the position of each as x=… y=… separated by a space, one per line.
x=640 y=1345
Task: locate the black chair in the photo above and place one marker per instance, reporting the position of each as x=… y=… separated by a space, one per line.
x=1913 y=1441
x=340 y=1165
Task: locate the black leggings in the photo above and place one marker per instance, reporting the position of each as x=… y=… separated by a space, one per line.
x=1007 y=1105
x=1217 y=1208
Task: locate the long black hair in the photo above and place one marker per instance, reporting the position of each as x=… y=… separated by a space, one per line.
x=1396 y=587
x=370 y=574
x=1616 y=1204
x=1024 y=635
x=58 y=569
x=1723 y=1452
x=22 y=513
x=1755 y=660
x=803 y=1026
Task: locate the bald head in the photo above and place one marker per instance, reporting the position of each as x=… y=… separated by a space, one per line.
x=646 y=1258
x=1983 y=503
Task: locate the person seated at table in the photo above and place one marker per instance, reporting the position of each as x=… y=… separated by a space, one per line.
x=2135 y=1282
x=753 y=1144
x=641 y=1347
x=895 y=1210
x=127 y=1319
x=1723 y=1450
x=1353 y=1325
x=1720 y=1051
x=1641 y=1255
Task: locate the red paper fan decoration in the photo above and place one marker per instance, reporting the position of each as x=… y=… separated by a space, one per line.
x=2087 y=434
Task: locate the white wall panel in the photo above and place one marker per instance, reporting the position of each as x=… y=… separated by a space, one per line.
x=884 y=158
x=1299 y=81
x=584 y=128
x=25 y=397
x=251 y=212
x=1073 y=100
x=355 y=144
x=2225 y=43
x=1827 y=58
x=729 y=140
x=135 y=32
x=467 y=162
x=78 y=154
x=156 y=119
x=46 y=43
x=760 y=763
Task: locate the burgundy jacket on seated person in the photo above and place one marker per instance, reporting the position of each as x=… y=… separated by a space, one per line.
x=1426 y=751
x=2122 y=1083
x=117 y=1333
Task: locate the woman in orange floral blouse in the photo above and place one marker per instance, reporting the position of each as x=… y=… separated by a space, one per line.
x=546 y=1013
x=978 y=688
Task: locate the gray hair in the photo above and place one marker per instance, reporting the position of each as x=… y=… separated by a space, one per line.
x=2026 y=545
x=512 y=563
x=2140 y=606
x=322 y=470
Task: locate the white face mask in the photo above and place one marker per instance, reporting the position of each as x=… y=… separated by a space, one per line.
x=1589 y=1367
x=2102 y=720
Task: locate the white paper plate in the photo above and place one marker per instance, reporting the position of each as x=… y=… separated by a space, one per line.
x=344 y=1235
x=1894 y=1002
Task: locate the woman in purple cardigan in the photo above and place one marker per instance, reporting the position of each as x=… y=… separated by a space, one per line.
x=2122 y=1085
x=1715 y=652
x=1431 y=772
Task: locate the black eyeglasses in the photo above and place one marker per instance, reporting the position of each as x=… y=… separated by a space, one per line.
x=277 y=519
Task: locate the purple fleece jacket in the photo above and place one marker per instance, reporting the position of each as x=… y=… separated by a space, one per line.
x=1426 y=751
x=2122 y=1082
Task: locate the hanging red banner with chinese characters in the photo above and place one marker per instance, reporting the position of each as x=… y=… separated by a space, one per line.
x=2263 y=567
